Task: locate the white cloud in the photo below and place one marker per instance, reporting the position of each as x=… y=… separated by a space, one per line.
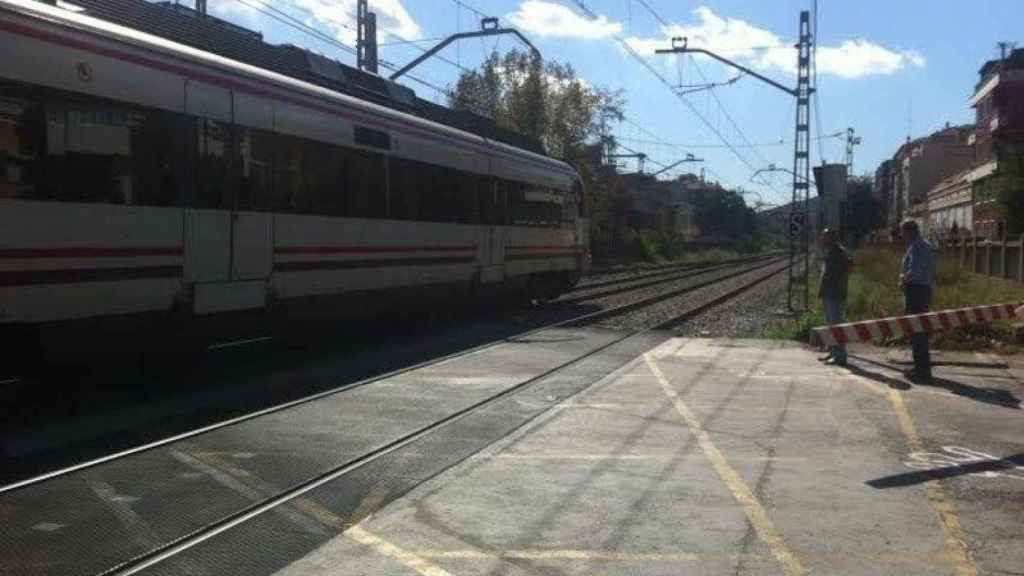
x=339 y=17
x=235 y=12
x=336 y=17
x=548 y=19
x=760 y=48
x=856 y=58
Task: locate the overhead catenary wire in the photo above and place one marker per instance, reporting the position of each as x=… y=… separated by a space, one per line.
x=471 y=8
x=711 y=88
x=664 y=81
x=287 y=19
x=681 y=149
x=779 y=142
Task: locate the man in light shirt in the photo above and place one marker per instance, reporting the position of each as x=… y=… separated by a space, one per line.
x=916 y=283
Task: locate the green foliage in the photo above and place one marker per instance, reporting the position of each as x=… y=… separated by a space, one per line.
x=543 y=100
x=798 y=328
x=874 y=293
x=723 y=213
x=1011 y=190
x=650 y=246
x=866 y=214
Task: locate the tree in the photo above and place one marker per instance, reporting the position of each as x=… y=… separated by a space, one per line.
x=1011 y=188
x=865 y=212
x=543 y=100
x=723 y=214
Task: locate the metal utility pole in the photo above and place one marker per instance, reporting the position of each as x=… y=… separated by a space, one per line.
x=201 y=7
x=366 y=38
x=488 y=27
x=799 y=225
x=802 y=160
x=851 y=141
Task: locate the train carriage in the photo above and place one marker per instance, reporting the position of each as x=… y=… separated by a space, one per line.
x=141 y=176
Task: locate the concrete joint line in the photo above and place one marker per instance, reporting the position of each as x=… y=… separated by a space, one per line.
x=753 y=509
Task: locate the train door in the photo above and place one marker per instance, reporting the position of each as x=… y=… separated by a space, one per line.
x=582 y=224
x=493 y=211
x=252 y=237
x=228 y=242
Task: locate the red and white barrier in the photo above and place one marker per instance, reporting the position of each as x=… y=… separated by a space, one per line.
x=915 y=323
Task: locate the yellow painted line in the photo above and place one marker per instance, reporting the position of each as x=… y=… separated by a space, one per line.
x=755 y=512
x=317 y=512
x=956 y=538
x=410 y=560
x=653 y=457
x=937 y=559
x=870 y=384
x=370 y=503
x=588 y=555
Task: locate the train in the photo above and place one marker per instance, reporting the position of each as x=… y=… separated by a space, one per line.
x=141 y=175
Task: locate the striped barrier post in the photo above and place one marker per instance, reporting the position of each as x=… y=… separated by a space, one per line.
x=868 y=330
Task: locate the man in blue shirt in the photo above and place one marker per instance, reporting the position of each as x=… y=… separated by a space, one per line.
x=916 y=282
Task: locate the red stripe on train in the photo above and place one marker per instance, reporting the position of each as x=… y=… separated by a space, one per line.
x=368 y=249
x=90 y=252
x=542 y=248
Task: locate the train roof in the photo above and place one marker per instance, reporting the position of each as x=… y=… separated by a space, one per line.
x=183 y=25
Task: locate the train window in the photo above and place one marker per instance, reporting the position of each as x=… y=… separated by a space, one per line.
x=534 y=206
x=439 y=202
x=370 y=137
x=404 y=193
x=364 y=184
x=467 y=200
x=66 y=147
x=214 y=153
x=321 y=191
x=492 y=201
x=291 y=189
x=158 y=169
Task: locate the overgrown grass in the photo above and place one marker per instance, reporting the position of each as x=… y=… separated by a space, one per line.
x=874 y=293
x=638 y=247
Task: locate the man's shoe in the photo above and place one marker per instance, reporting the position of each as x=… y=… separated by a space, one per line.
x=824 y=358
x=835 y=362
x=915 y=376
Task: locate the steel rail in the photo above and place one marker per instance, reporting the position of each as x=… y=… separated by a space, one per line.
x=601 y=314
x=179 y=545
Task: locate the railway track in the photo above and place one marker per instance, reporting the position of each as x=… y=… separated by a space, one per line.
x=625 y=286
x=589 y=281
x=734 y=279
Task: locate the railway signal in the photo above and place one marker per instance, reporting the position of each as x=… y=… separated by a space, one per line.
x=796 y=224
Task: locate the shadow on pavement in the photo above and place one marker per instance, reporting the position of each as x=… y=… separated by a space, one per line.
x=980 y=365
x=911 y=478
x=894 y=383
x=994 y=396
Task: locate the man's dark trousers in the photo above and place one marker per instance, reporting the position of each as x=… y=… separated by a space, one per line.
x=917 y=298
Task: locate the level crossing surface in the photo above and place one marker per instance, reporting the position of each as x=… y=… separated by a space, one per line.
x=653 y=456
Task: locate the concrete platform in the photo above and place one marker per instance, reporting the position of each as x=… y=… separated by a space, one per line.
x=714 y=457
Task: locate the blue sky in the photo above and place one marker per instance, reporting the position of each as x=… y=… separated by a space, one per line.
x=886 y=68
